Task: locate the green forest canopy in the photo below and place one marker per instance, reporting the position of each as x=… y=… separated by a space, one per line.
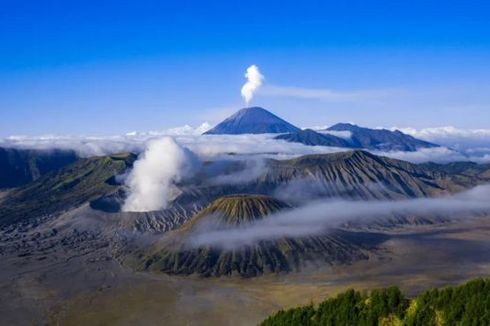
x=467 y=304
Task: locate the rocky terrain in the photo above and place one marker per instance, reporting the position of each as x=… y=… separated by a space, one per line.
x=64 y=235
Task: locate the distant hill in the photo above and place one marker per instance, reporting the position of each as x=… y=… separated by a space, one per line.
x=175 y=256
x=312 y=138
x=361 y=138
x=21 y=166
x=352 y=174
x=252 y=120
x=381 y=139
x=467 y=304
x=66 y=188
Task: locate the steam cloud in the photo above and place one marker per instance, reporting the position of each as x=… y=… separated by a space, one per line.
x=151 y=182
x=317 y=217
x=254 y=81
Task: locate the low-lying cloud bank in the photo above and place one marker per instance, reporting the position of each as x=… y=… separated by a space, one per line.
x=318 y=217
x=436 y=154
x=460 y=145
x=166 y=157
x=472 y=142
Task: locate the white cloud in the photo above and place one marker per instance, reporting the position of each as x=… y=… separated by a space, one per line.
x=325 y=94
x=345 y=134
x=451 y=136
x=436 y=154
x=187 y=130
x=470 y=145
x=318 y=217
x=218 y=145
x=87 y=146
x=474 y=143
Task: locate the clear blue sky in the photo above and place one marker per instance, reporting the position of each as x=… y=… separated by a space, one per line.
x=109 y=67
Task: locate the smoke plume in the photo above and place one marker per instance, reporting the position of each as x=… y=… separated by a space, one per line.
x=151 y=182
x=254 y=81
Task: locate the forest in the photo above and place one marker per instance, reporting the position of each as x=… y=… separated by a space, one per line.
x=467 y=304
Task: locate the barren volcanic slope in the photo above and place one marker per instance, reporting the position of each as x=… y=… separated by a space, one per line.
x=178 y=255
x=362 y=175
x=351 y=175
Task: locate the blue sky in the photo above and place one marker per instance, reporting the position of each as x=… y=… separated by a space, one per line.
x=109 y=67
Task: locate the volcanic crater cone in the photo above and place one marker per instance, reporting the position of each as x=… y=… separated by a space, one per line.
x=179 y=255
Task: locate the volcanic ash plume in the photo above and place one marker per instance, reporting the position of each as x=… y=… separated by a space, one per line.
x=151 y=182
x=254 y=81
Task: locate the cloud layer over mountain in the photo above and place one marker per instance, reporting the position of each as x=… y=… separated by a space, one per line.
x=318 y=217
x=459 y=144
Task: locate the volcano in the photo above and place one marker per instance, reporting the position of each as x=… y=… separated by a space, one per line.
x=177 y=256
x=252 y=120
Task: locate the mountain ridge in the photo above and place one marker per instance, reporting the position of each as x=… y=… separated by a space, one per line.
x=21 y=166
x=75 y=184
x=381 y=139
x=312 y=138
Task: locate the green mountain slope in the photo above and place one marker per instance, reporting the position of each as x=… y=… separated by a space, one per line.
x=73 y=185
x=21 y=166
x=467 y=304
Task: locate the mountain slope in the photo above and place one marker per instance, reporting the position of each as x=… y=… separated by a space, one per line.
x=21 y=166
x=312 y=138
x=234 y=210
x=381 y=139
x=466 y=304
x=252 y=120
x=73 y=185
x=175 y=255
x=352 y=175
x=361 y=175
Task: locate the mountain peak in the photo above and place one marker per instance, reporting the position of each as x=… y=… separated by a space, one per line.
x=240 y=208
x=343 y=126
x=252 y=120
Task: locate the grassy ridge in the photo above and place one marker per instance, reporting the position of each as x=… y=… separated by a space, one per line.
x=21 y=166
x=69 y=187
x=467 y=304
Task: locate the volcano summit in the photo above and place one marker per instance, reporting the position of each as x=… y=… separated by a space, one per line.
x=252 y=120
